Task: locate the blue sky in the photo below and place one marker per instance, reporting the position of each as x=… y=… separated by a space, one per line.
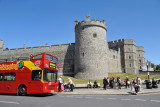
x=36 y=22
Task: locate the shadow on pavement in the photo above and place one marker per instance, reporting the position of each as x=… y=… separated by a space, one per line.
x=30 y=95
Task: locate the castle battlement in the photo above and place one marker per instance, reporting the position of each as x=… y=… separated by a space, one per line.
x=115 y=42
x=57 y=46
x=89 y=22
x=129 y=41
x=140 y=48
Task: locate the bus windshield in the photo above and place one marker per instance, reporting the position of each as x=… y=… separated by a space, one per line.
x=49 y=75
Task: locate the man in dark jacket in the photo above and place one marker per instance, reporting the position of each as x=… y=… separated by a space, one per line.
x=127 y=85
x=105 y=82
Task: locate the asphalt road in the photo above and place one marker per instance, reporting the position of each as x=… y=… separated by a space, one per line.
x=80 y=101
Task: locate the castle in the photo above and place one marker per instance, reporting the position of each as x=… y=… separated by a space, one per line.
x=90 y=57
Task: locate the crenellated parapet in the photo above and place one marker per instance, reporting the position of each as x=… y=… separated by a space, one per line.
x=129 y=41
x=55 y=47
x=88 y=22
x=1 y=44
x=140 y=48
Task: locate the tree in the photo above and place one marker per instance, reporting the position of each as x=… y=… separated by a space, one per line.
x=158 y=67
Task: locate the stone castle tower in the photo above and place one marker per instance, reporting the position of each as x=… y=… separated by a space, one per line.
x=1 y=44
x=132 y=56
x=90 y=49
x=141 y=57
x=130 y=53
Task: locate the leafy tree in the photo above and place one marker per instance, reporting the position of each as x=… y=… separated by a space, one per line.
x=158 y=67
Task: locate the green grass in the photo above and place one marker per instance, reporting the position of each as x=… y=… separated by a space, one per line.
x=110 y=74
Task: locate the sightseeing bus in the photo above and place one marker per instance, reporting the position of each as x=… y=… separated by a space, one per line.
x=35 y=76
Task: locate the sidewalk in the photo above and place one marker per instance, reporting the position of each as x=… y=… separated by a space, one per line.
x=100 y=91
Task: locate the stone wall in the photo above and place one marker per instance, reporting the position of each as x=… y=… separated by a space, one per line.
x=64 y=52
x=114 y=61
x=150 y=72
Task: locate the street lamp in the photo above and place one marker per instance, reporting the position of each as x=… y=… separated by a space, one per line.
x=147 y=70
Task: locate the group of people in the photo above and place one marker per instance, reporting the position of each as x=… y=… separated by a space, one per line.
x=95 y=84
x=63 y=86
x=112 y=83
x=135 y=84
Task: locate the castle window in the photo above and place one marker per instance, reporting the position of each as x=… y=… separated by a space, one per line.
x=83 y=28
x=113 y=56
x=140 y=67
x=139 y=55
x=130 y=65
x=139 y=61
x=94 y=35
x=128 y=49
x=83 y=54
x=129 y=57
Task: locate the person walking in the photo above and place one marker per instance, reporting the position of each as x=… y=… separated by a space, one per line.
x=119 y=83
x=105 y=83
x=60 y=82
x=132 y=84
x=139 y=82
x=126 y=82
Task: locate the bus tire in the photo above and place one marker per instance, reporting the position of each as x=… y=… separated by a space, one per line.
x=22 y=90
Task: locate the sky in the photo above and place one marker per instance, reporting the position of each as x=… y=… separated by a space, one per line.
x=37 y=22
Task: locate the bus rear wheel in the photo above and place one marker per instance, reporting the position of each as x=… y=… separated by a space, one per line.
x=22 y=90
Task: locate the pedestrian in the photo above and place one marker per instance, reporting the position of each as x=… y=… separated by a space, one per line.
x=137 y=87
x=95 y=85
x=132 y=84
x=113 y=81
x=105 y=83
x=89 y=85
x=139 y=82
x=70 y=83
x=127 y=82
x=119 y=83
x=60 y=82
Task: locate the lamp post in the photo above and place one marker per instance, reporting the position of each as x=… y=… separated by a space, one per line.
x=147 y=70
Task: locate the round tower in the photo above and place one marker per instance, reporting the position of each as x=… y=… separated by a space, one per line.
x=90 y=49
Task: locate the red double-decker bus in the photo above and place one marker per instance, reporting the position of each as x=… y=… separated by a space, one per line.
x=35 y=76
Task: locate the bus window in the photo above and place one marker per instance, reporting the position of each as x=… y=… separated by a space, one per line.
x=37 y=57
x=55 y=60
x=1 y=76
x=51 y=58
x=36 y=74
x=9 y=76
x=50 y=75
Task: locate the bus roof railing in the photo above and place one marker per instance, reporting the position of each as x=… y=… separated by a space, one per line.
x=14 y=59
x=22 y=58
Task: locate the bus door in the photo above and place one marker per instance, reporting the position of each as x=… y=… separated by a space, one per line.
x=1 y=80
x=9 y=83
x=35 y=85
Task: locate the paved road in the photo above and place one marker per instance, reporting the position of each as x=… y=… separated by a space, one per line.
x=80 y=101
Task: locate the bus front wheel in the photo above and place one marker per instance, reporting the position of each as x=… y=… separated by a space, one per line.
x=22 y=90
